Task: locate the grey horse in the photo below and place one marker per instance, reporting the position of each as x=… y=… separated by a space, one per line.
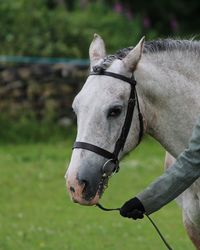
x=168 y=85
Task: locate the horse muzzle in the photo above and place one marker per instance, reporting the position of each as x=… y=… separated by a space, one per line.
x=87 y=184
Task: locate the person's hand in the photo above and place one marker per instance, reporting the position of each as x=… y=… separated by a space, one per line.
x=133 y=208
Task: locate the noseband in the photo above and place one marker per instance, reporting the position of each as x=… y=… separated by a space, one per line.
x=112 y=164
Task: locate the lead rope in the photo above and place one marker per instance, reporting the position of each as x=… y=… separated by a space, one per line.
x=150 y=219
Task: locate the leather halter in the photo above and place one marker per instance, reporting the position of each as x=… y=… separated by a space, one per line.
x=112 y=164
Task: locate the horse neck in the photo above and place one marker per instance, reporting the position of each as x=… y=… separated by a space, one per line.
x=168 y=91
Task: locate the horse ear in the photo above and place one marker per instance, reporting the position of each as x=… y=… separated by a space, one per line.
x=134 y=56
x=97 y=50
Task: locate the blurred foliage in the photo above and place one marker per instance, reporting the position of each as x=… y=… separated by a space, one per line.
x=65 y=28
x=168 y=17
x=39 y=28
x=28 y=129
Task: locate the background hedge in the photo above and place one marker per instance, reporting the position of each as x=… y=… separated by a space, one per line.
x=64 y=28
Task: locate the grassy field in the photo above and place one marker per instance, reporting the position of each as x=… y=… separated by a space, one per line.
x=36 y=213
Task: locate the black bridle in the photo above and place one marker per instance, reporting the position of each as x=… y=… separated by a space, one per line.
x=112 y=164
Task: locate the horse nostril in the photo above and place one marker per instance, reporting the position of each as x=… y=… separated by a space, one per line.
x=85 y=185
x=72 y=189
x=89 y=183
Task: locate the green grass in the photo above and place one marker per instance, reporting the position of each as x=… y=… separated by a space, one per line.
x=36 y=213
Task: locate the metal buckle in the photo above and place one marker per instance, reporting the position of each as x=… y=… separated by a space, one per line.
x=110 y=167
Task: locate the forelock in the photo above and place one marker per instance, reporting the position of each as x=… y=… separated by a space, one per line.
x=109 y=59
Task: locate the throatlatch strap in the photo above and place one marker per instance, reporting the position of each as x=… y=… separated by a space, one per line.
x=140 y=117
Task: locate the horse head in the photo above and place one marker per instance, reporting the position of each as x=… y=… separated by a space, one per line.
x=101 y=110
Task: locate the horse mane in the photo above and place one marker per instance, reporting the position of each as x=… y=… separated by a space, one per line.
x=150 y=47
x=170 y=45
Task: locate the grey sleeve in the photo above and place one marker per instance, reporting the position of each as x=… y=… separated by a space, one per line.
x=177 y=178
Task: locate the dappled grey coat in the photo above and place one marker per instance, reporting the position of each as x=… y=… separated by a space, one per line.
x=175 y=179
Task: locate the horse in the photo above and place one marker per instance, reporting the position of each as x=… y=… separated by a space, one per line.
x=168 y=88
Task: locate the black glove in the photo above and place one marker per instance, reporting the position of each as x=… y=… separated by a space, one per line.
x=133 y=208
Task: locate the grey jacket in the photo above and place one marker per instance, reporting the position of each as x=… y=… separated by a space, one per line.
x=177 y=178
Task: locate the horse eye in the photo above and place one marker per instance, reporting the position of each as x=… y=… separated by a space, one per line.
x=114 y=111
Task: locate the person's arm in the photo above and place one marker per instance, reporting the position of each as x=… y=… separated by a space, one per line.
x=172 y=183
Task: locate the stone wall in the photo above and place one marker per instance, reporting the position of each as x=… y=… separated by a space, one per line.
x=45 y=91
